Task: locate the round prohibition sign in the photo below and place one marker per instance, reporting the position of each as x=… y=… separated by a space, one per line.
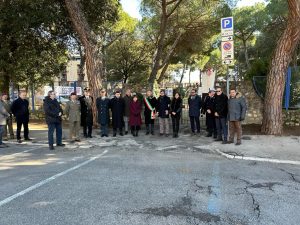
x=227 y=46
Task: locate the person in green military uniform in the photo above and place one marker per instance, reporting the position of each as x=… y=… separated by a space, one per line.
x=73 y=112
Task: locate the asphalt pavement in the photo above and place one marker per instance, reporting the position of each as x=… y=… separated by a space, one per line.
x=144 y=180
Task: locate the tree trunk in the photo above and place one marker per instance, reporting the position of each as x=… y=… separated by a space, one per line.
x=162 y=73
x=81 y=66
x=246 y=54
x=286 y=46
x=92 y=50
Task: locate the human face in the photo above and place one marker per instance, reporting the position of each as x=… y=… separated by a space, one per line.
x=103 y=93
x=4 y=97
x=73 y=97
x=193 y=92
x=162 y=93
x=22 y=95
x=176 y=95
x=135 y=99
x=232 y=93
x=219 y=91
x=87 y=93
x=52 y=95
x=128 y=92
x=118 y=95
x=211 y=94
x=149 y=93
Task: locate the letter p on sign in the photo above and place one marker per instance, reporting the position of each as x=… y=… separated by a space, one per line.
x=227 y=23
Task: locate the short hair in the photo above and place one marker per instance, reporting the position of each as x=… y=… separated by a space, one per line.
x=50 y=92
x=163 y=90
x=232 y=89
x=73 y=93
x=117 y=92
x=219 y=87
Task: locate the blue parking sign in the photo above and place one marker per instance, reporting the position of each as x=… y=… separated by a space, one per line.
x=227 y=23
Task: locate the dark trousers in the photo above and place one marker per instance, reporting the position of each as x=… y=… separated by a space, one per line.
x=9 y=128
x=1 y=133
x=104 y=129
x=193 y=120
x=175 y=124
x=222 y=129
x=87 y=130
x=211 y=125
x=19 y=127
x=116 y=128
x=51 y=128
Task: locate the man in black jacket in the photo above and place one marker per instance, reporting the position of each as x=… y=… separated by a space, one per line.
x=221 y=110
x=53 y=113
x=208 y=110
x=86 y=104
x=195 y=105
x=163 y=111
x=20 y=110
x=117 y=106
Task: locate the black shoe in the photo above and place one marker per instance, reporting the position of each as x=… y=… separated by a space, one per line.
x=51 y=147
x=106 y=135
x=224 y=142
x=137 y=133
x=103 y=135
x=60 y=145
x=167 y=135
x=19 y=141
x=77 y=140
x=85 y=135
x=229 y=142
x=215 y=137
x=126 y=132
x=238 y=143
x=121 y=134
x=152 y=132
x=147 y=133
x=90 y=136
x=219 y=139
x=174 y=135
x=161 y=134
x=208 y=135
x=115 y=134
x=28 y=139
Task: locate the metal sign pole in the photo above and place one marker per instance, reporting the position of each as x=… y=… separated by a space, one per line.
x=227 y=81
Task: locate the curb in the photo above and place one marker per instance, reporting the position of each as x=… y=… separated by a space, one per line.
x=248 y=158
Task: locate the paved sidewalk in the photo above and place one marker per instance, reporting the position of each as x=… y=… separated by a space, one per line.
x=263 y=148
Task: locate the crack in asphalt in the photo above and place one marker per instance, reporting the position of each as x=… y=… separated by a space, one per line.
x=293 y=176
x=182 y=208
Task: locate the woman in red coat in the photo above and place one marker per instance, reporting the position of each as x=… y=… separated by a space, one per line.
x=135 y=119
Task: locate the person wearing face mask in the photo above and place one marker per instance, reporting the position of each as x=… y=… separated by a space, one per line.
x=135 y=119
x=102 y=103
x=20 y=109
x=117 y=106
x=86 y=102
x=73 y=111
x=53 y=115
x=195 y=105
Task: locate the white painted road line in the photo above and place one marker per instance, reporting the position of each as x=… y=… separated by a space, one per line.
x=228 y=156
x=11 y=198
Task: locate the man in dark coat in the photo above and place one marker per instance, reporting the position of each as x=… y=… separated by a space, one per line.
x=221 y=110
x=236 y=113
x=103 y=113
x=86 y=103
x=53 y=113
x=117 y=106
x=195 y=104
x=20 y=110
x=150 y=105
x=127 y=100
x=175 y=109
x=163 y=111
x=208 y=110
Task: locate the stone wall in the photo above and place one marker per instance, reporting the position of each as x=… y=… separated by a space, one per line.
x=291 y=117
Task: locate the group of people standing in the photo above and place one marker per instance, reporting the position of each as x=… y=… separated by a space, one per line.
x=126 y=114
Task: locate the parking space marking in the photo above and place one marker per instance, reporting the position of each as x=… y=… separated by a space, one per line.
x=29 y=189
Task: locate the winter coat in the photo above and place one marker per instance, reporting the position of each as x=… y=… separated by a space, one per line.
x=153 y=103
x=20 y=110
x=73 y=111
x=52 y=109
x=117 y=106
x=237 y=109
x=221 y=105
x=7 y=105
x=163 y=104
x=103 y=110
x=208 y=104
x=176 y=106
x=135 y=114
x=3 y=114
x=195 y=105
x=127 y=100
x=86 y=111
